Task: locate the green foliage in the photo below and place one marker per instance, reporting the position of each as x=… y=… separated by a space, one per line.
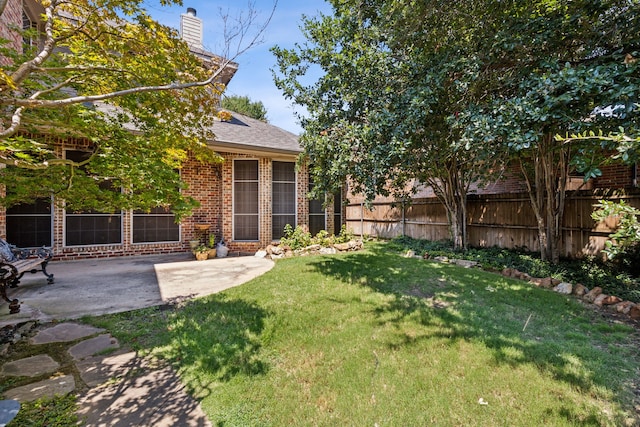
x=93 y=80
x=295 y=238
x=298 y=238
x=54 y=412
x=447 y=96
x=627 y=234
x=244 y=105
x=616 y=278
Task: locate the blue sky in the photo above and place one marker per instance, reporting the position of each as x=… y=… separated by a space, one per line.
x=254 y=77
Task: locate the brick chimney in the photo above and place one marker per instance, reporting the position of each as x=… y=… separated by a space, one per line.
x=191 y=28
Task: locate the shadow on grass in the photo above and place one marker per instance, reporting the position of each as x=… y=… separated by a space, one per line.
x=518 y=322
x=218 y=337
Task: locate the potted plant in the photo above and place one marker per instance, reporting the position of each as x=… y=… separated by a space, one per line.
x=212 y=246
x=201 y=252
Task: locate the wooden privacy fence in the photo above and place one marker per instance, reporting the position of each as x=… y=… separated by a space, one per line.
x=503 y=220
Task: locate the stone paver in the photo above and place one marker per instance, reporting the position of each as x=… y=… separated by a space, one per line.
x=93 y=346
x=97 y=370
x=64 y=332
x=153 y=398
x=30 y=366
x=47 y=388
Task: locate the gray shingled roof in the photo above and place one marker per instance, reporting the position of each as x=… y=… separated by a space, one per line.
x=243 y=133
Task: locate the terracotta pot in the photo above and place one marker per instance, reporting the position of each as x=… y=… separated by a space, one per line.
x=212 y=253
x=201 y=256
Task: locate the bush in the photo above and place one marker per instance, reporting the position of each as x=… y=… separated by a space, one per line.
x=591 y=272
x=298 y=238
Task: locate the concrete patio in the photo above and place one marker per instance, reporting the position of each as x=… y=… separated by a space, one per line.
x=100 y=286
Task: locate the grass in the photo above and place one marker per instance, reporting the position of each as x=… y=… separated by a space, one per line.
x=372 y=338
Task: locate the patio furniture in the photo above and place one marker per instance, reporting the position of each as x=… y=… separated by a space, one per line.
x=15 y=262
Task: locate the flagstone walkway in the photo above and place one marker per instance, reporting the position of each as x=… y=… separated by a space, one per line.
x=116 y=387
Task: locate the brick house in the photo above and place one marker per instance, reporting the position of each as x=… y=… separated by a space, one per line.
x=246 y=200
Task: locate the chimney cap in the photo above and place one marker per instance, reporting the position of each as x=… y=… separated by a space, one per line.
x=191 y=11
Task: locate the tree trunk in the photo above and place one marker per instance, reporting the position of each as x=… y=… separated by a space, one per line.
x=546 y=184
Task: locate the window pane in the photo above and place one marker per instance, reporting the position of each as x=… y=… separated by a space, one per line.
x=284 y=171
x=245 y=170
x=245 y=197
x=29 y=225
x=284 y=198
x=155 y=228
x=246 y=227
x=29 y=231
x=92 y=230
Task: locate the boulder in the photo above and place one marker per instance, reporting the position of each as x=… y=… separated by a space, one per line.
x=327 y=251
x=261 y=254
x=341 y=247
x=277 y=250
x=624 y=307
x=611 y=300
x=580 y=290
x=564 y=288
x=599 y=301
x=592 y=294
x=634 y=312
x=542 y=282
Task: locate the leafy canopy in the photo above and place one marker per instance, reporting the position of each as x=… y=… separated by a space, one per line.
x=244 y=105
x=107 y=76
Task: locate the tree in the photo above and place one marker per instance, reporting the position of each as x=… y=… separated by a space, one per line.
x=105 y=73
x=548 y=68
x=244 y=105
x=381 y=116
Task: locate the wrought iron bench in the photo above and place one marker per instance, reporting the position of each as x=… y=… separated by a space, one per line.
x=26 y=260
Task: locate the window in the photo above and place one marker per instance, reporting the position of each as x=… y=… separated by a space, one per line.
x=158 y=225
x=245 y=200
x=91 y=227
x=28 y=24
x=283 y=197
x=337 y=212
x=316 y=215
x=29 y=225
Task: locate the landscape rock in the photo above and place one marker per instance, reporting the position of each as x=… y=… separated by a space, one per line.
x=593 y=294
x=599 y=301
x=277 y=250
x=93 y=346
x=564 y=288
x=58 y=386
x=634 y=312
x=327 y=251
x=624 y=307
x=261 y=254
x=580 y=290
x=611 y=300
x=465 y=263
x=441 y=259
x=543 y=282
x=410 y=254
x=33 y=366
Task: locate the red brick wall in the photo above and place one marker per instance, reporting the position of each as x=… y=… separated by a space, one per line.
x=12 y=16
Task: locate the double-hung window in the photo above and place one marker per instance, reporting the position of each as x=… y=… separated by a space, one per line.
x=245 y=200
x=283 y=197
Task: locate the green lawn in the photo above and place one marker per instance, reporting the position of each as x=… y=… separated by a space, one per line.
x=371 y=338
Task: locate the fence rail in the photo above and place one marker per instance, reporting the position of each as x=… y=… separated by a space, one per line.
x=493 y=220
